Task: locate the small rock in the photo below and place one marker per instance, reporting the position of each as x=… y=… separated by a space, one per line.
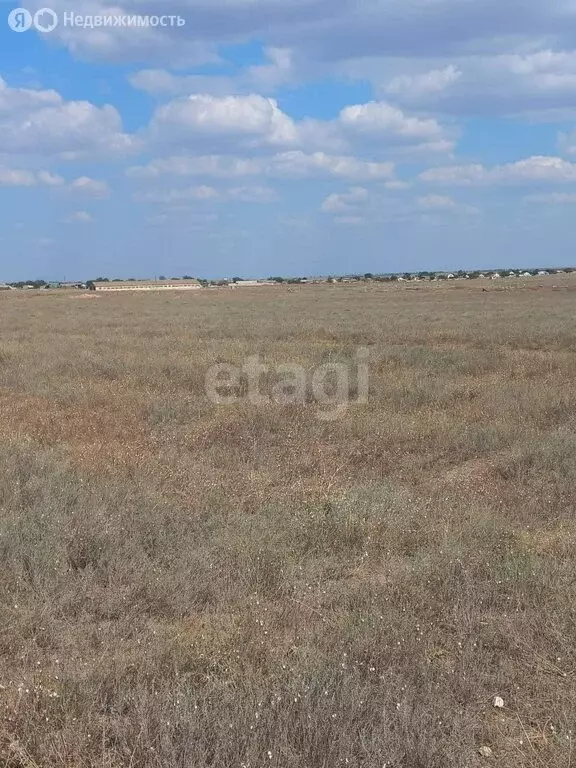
x=485 y=751
x=498 y=702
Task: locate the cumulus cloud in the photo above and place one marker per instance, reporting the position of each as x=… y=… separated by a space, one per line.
x=278 y=70
x=87 y=187
x=298 y=164
x=294 y=164
x=437 y=202
x=446 y=204
x=10 y=177
x=256 y=122
x=398 y=185
x=80 y=217
x=416 y=86
x=541 y=83
x=537 y=169
x=205 y=193
x=348 y=201
x=253 y=119
x=41 y=122
x=327 y=30
x=384 y=120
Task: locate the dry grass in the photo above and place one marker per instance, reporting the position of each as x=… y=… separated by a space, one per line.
x=186 y=584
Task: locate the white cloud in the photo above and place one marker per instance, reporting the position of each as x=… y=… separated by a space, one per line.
x=416 y=86
x=398 y=185
x=236 y=124
x=293 y=164
x=251 y=194
x=437 y=202
x=38 y=122
x=326 y=30
x=384 y=120
x=540 y=84
x=446 y=204
x=278 y=71
x=216 y=166
x=298 y=164
x=204 y=193
x=49 y=179
x=181 y=45
x=531 y=170
x=348 y=201
x=88 y=187
x=10 y=177
x=177 y=195
x=80 y=217
x=253 y=119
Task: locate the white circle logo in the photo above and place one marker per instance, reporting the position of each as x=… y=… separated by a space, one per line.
x=45 y=20
x=20 y=20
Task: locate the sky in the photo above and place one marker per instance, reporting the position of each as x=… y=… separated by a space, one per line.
x=255 y=138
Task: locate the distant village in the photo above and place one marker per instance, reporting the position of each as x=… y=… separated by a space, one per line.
x=103 y=284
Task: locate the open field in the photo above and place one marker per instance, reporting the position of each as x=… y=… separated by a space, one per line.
x=185 y=584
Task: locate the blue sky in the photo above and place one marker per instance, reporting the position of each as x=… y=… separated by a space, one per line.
x=265 y=137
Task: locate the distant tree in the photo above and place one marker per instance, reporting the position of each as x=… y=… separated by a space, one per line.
x=368 y=276
x=276 y=279
x=236 y=279
x=162 y=277
x=407 y=276
x=187 y=277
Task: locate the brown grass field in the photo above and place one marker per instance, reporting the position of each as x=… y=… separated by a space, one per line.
x=186 y=584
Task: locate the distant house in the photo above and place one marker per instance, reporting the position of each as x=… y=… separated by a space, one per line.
x=251 y=283
x=450 y=276
x=5 y=287
x=525 y=274
x=543 y=273
x=495 y=276
x=115 y=286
